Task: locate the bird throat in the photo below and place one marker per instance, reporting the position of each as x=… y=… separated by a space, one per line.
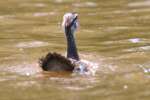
x=71 y=44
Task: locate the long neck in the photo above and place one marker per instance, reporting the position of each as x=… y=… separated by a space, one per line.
x=71 y=45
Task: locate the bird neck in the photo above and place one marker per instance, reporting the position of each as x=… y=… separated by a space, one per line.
x=71 y=45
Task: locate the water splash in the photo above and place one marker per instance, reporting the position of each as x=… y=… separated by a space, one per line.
x=85 y=67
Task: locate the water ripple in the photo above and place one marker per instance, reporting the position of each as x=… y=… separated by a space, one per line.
x=24 y=69
x=145 y=69
x=139 y=4
x=31 y=44
x=38 y=14
x=85 y=4
x=40 y=5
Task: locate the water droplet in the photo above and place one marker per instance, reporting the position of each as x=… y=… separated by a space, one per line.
x=28 y=74
x=125 y=86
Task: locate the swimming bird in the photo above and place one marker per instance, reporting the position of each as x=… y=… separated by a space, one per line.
x=57 y=62
x=71 y=63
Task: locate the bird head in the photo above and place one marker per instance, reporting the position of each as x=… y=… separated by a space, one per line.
x=70 y=21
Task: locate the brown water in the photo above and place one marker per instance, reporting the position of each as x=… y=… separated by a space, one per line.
x=114 y=34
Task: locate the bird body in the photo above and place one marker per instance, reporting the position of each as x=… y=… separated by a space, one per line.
x=57 y=62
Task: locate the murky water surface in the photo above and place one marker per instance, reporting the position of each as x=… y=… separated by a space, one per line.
x=115 y=34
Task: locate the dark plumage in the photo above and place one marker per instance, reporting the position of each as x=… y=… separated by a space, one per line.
x=56 y=62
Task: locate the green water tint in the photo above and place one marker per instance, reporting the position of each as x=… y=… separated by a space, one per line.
x=113 y=33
